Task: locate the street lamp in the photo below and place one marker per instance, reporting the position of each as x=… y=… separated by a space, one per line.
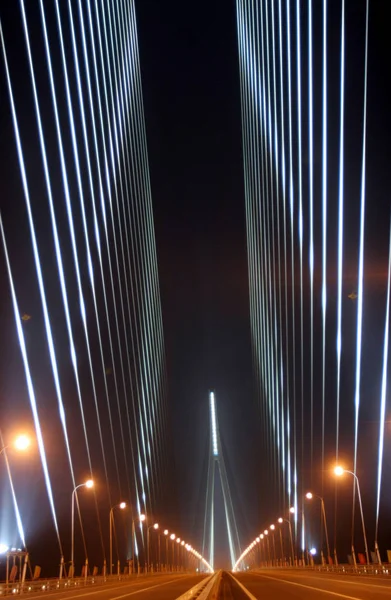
x=88 y=484
x=21 y=443
x=281 y=520
x=172 y=538
x=141 y=519
x=121 y=505
x=309 y=496
x=272 y=527
x=155 y=526
x=339 y=471
x=167 y=558
x=266 y=533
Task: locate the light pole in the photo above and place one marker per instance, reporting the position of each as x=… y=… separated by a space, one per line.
x=178 y=541
x=121 y=505
x=141 y=519
x=182 y=556
x=281 y=520
x=262 y=547
x=172 y=538
x=272 y=527
x=339 y=471
x=266 y=533
x=309 y=496
x=88 y=484
x=155 y=526
x=167 y=558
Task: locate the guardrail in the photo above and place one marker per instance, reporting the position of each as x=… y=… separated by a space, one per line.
x=371 y=569
x=53 y=584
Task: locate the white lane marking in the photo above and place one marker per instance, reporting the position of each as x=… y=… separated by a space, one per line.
x=347 y=581
x=311 y=587
x=151 y=587
x=244 y=589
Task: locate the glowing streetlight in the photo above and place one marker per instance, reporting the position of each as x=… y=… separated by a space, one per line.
x=166 y=532
x=173 y=538
x=281 y=520
x=121 y=506
x=154 y=526
x=88 y=484
x=339 y=471
x=310 y=496
x=272 y=528
x=20 y=443
x=141 y=518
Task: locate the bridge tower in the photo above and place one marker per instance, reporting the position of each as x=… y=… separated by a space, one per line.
x=216 y=468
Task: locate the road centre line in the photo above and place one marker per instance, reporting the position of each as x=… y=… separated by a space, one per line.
x=244 y=589
x=311 y=587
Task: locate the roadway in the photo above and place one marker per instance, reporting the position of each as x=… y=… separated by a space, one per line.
x=306 y=585
x=150 y=587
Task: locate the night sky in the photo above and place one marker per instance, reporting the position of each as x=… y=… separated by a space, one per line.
x=192 y=105
x=190 y=78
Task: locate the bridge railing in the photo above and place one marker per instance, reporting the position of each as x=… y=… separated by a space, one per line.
x=53 y=584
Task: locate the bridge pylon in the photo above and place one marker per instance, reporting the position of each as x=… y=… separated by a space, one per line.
x=216 y=468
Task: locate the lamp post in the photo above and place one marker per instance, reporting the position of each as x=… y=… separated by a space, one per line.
x=266 y=533
x=141 y=519
x=182 y=561
x=339 y=471
x=178 y=541
x=281 y=520
x=172 y=538
x=272 y=528
x=154 y=526
x=167 y=558
x=88 y=484
x=121 y=505
x=262 y=547
x=309 y=496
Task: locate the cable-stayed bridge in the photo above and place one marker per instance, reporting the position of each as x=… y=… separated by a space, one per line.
x=85 y=365
x=319 y=304
x=80 y=257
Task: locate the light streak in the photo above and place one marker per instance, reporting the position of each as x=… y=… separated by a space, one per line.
x=383 y=394
x=324 y=223
x=340 y=222
x=311 y=207
x=14 y=500
x=213 y=424
x=29 y=382
x=33 y=403
x=361 y=259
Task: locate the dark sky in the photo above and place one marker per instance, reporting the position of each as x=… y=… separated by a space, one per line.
x=191 y=89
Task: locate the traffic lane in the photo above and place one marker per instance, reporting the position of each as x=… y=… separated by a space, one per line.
x=307 y=585
x=169 y=590
x=108 y=591
x=230 y=589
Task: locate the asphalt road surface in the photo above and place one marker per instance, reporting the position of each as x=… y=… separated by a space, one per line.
x=307 y=585
x=155 y=587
